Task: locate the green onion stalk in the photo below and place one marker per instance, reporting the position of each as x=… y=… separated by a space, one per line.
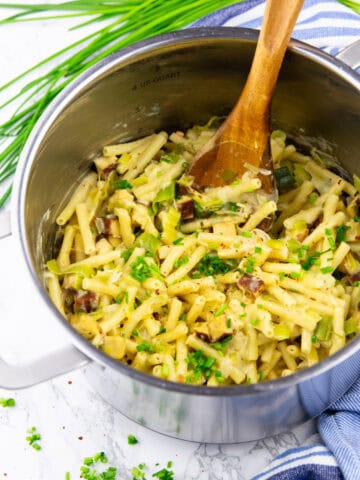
x=121 y=22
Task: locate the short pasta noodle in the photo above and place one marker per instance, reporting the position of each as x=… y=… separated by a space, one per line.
x=184 y=284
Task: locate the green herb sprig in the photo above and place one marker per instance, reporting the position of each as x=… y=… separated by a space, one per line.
x=125 y=23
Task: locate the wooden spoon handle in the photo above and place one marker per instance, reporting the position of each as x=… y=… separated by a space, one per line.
x=279 y=19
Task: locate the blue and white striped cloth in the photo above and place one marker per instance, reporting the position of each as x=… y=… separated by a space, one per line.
x=326 y=24
x=331 y=26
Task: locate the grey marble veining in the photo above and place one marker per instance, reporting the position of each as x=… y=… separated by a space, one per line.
x=75 y=422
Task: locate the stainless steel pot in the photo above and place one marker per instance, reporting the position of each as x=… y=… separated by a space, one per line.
x=168 y=82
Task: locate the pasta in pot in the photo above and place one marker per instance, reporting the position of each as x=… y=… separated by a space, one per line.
x=182 y=283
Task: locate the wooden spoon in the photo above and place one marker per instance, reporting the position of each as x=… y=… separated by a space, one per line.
x=243 y=140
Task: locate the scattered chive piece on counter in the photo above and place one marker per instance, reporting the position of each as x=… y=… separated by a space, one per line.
x=88 y=473
x=126 y=27
x=100 y=457
x=67 y=476
x=164 y=473
x=132 y=440
x=33 y=438
x=7 y=402
x=137 y=472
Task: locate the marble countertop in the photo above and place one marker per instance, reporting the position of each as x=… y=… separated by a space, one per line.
x=73 y=420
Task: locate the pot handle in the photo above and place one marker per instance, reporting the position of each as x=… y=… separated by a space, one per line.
x=52 y=365
x=350 y=55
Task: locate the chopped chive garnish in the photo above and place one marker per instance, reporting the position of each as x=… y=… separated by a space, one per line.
x=356 y=283
x=162 y=330
x=260 y=376
x=281 y=276
x=126 y=254
x=313 y=339
x=178 y=241
x=182 y=261
x=165 y=370
x=7 y=402
x=140 y=269
x=254 y=321
x=258 y=250
x=246 y=234
x=250 y=264
x=100 y=457
x=132 y=440
x=313 y=197
x=211 y=264
x=199 y=365
x=220 y=310
x=295 y=275
x=122 y=184
x=326 y=270
x=331 y=242
x=33 y=438
x=145 y=347
x=228 y=323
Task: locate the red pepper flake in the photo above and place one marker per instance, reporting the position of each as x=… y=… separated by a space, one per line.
x=80 y=438
x=69 y=382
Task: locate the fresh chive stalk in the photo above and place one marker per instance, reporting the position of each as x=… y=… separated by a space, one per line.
x=121 y=23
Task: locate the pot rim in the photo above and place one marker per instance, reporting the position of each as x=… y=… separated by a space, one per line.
x=123 y=57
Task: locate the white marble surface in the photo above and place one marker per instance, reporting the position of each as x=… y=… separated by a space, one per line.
x=73 y=420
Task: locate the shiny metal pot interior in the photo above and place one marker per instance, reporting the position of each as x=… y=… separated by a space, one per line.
x=174 y=81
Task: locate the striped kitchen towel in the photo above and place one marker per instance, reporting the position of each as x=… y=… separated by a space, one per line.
x=339 y=427
x=331 y=26
x=325 y=24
